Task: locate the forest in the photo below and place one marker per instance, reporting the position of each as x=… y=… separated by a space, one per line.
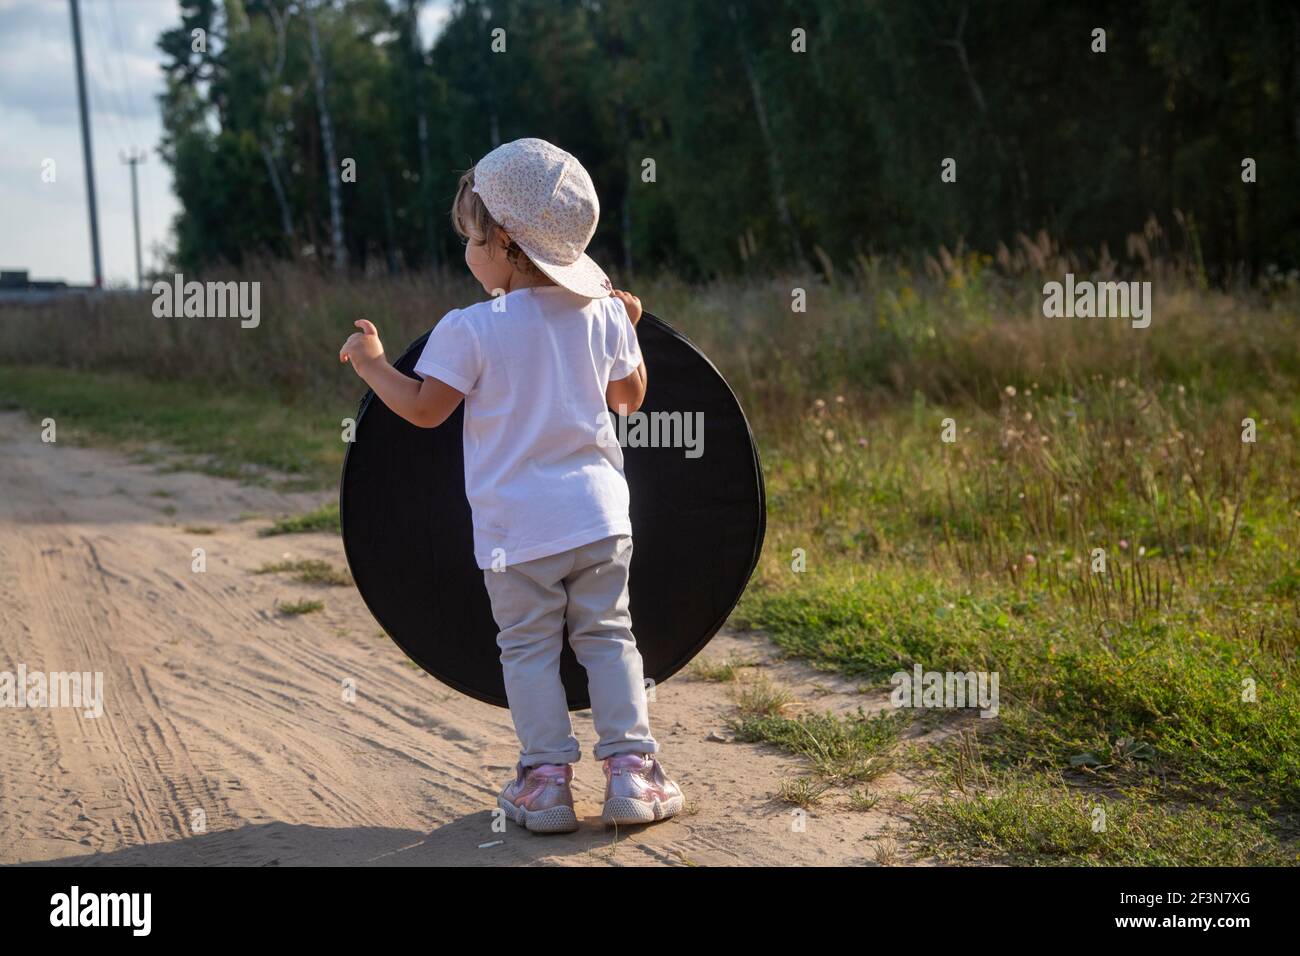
x=741 y=138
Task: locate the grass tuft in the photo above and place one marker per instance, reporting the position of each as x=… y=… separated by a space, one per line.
x=294 y=608
x=325 y=518
x=310 y=571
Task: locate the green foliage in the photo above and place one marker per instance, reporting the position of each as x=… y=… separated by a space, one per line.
x=857 y=749
x=324 y=518
x=229 y=433
x=310 y=571
x=1035 y=821
x=296 y=608
x=765 y=156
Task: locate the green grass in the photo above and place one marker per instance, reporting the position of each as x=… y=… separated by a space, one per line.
x=762 y=698
x=1154 y=704
x=841 y=750
x=232 y=434
x=802 y=792
x=1036 y=820
x=310 y=571
x=295 y=608
x=723 y=671
x=976 y=556
x=860 y=801
x=325 y=518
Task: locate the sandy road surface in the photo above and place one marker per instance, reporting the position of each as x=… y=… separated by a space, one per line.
x=216 y=702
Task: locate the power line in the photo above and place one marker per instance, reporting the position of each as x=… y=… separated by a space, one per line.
x=117 y=112
x=115 y=80
x=123 y=70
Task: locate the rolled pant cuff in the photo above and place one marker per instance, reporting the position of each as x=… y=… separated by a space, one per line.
x=561 y=756
x=626 y=747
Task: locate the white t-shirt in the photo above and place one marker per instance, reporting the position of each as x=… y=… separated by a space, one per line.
x=541 y=472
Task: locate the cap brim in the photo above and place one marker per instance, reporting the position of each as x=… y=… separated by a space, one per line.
x=582 y=277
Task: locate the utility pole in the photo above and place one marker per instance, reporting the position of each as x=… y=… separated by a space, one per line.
x=85 y=144
x=133 y=160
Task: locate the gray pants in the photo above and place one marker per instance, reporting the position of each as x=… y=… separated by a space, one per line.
x=587 y=586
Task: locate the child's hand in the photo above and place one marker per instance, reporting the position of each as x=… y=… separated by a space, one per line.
x=362 y=347
x=631 y=303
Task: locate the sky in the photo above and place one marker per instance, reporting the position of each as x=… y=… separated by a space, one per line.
x=45 y=226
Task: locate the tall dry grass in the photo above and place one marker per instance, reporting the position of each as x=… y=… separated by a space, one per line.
x=951 y=328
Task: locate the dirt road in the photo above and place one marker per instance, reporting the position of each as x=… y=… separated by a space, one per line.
x=225 y=737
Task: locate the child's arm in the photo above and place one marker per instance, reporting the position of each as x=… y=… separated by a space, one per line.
x=426 y=404
x=627 y=394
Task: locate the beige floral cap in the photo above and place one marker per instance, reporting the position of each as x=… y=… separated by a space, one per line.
x=547 y=203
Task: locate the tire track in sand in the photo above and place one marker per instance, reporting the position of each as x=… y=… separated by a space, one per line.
x=215 y=701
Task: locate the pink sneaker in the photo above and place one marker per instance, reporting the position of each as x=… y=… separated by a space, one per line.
x=638 y=791
x=539 y=798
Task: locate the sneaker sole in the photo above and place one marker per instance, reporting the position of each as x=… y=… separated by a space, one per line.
x=553 y=820
x=627 y=810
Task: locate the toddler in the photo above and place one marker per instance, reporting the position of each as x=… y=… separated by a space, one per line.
x=537 y=366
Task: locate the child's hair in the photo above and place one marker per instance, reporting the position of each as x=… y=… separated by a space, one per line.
x=468 y=209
